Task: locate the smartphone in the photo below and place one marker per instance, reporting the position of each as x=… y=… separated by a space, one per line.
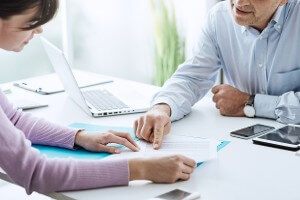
x=251 y=131
x=177 y=194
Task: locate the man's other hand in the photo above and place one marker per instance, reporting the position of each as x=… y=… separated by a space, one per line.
x=229 y=100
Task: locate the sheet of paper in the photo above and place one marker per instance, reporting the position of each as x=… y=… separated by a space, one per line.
x=196 y=148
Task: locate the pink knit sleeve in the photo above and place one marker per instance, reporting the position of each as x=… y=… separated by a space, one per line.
x=37 y=130
x=29 y=169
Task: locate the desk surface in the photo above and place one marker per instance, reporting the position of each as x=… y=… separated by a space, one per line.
x=241 y=171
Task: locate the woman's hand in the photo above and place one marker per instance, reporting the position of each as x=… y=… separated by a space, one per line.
x=168 y=169
x=98 y=141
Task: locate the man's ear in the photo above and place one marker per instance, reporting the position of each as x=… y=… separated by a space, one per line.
x=283 y=2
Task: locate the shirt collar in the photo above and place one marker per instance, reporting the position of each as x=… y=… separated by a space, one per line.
x=276 y=19
x=244 y=28
x=277 y=14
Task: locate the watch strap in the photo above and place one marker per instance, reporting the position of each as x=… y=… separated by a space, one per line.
x=250 y=101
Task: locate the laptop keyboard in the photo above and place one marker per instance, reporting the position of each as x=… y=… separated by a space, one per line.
x=103 y=100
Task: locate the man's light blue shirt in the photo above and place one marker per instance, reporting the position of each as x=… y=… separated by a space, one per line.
x=265 y=63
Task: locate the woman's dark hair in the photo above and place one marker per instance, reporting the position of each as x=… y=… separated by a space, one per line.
x=46 y=10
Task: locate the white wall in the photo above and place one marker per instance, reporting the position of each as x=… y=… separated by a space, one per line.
x=116 y=38
x=113 y=37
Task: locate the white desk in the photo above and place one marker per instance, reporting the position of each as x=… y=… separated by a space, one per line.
x=242 y=171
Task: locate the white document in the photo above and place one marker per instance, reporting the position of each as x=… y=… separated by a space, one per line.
x=26 y=104
x=23 y=103
x=195 y=148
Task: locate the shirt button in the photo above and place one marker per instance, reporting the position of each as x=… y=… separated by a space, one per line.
x=279 y=27
x=260 y=65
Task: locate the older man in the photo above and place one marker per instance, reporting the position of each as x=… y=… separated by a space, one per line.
x=257 y=44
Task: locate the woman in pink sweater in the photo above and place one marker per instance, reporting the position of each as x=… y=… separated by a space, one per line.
x=20 y=20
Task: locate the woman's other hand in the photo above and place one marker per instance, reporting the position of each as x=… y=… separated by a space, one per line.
x=168 y=169
x=97 y=142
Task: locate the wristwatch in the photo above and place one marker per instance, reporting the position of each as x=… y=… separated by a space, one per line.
x=249 y=107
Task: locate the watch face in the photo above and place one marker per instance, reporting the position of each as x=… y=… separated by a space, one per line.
x=249 y=111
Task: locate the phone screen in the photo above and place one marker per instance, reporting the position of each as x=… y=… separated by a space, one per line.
x=174 y=195
x=252 y=130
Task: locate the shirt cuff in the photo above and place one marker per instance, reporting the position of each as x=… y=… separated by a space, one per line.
x=170 y=102
x=265 y=106
x=75 y=146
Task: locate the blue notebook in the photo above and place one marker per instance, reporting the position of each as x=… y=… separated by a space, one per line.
x=56 y=152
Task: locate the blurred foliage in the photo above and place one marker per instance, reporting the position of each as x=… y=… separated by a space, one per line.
x=170 y=47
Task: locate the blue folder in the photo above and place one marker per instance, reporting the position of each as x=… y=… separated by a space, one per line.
x=56 y=152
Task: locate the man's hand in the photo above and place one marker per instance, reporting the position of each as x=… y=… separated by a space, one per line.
x=154 y=125
x=98 y=141
x=229 y=100
x=167 y=169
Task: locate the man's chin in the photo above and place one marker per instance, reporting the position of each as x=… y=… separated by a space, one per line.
x=18 y=49
x=241 y=22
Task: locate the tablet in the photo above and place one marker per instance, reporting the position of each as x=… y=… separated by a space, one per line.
x=287 y=137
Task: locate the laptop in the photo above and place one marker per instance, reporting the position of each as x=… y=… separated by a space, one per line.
x=97 y=103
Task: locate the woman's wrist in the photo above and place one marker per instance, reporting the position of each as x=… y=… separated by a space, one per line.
x=137 y=169
x=79 y=138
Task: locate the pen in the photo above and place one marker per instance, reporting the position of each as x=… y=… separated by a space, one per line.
x=25 y=86
x=29 y=88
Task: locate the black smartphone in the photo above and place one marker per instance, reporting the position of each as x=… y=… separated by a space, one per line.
x=251 y=131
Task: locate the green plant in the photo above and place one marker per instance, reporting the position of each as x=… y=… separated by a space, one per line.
x=170 y=47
